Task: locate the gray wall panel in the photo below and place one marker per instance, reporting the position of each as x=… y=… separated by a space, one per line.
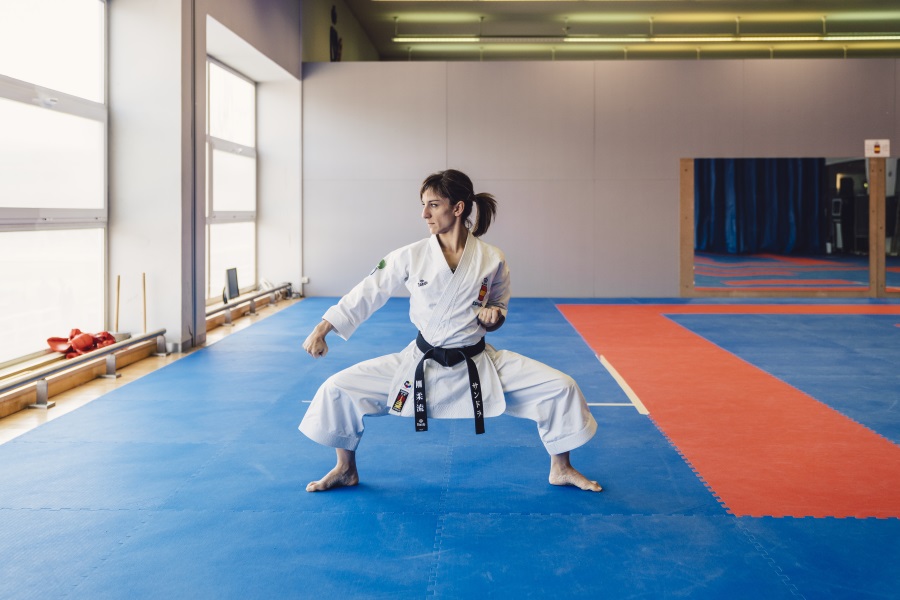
x=349 y=225
x=539 y=223
x=817 y=107
x=515 y=120
x=636 y=233
x=374 y=120
x=651 y=111
x=522 y=131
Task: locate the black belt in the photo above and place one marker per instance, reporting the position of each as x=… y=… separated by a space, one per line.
x=448 y=357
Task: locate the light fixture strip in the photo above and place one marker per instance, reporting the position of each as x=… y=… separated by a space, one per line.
x=732 y=39
x=400 y=39
x=668 y=39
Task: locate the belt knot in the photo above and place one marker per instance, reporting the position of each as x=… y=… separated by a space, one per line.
x=448 y=357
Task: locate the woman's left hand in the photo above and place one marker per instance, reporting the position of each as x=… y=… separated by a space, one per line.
x=489 y=316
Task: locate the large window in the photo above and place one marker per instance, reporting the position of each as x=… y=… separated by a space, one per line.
x=230 y=179
x=53 y=118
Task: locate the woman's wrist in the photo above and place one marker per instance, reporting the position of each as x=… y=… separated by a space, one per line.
x=323 y=328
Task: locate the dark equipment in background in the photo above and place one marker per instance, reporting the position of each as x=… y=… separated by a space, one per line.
x=231 y=290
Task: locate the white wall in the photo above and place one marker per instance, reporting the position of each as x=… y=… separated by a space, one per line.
x=157 y=114
x=279 y=202
x=583 y=156
x=145 y=164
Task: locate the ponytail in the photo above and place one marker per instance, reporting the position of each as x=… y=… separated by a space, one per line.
x=486 y=210
x=456 y=186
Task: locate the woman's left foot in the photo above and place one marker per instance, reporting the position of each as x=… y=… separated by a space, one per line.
x=568 y=475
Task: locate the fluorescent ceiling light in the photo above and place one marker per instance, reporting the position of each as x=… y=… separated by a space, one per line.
x=668 y=39
x=435 y=40
x=861 y=38
x=745 y=39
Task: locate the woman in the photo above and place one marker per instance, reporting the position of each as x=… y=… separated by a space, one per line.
x=459 y=289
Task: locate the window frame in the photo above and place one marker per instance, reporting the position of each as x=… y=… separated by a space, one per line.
x=25 y=219
x=47 y=99
x=214 y=217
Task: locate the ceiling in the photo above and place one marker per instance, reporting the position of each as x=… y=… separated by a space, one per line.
x=629 y=29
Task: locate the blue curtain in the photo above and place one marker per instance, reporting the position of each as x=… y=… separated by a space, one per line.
x=760 y=205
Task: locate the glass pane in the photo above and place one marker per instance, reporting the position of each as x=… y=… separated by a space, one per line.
x=232 y=107
x=780 y=225
x=49 y=159
x=234 y=182
x=206 y=176
x=56 y=44
x=231 y=245
x=53 y=282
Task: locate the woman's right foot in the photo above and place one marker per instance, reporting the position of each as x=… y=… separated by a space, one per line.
x=339 y=476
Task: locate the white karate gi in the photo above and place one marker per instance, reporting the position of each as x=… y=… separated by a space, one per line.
x=444 y=306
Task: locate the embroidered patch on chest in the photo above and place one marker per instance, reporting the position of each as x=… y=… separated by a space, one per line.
x=400 y=401
x=483 y=291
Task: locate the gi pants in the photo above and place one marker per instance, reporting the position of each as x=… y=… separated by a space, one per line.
x=532 y=390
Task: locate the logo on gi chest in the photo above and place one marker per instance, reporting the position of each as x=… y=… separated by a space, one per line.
x=381 y=264
x=422 y=282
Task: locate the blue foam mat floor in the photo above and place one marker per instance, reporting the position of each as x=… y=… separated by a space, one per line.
x=189 y=483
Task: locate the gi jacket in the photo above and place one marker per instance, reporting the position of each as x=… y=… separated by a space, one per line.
x=444 y=306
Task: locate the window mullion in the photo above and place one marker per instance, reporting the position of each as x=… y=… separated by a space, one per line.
x=231 y=147
x=231 y=216
x=29 y=93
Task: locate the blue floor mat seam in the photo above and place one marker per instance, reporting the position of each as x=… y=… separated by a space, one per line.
x=222 y=449
x=113 y=549
x=441 y=516
x=764 y=554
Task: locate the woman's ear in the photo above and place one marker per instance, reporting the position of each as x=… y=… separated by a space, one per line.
x=459 y=208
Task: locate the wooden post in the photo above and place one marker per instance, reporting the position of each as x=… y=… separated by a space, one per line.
x=876 y=227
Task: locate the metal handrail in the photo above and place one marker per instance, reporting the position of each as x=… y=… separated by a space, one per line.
x=41 y=374
x=242 y=300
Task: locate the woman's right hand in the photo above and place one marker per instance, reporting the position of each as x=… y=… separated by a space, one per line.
x=315 y=344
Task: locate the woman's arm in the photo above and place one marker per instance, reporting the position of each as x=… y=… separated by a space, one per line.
x=359 y=303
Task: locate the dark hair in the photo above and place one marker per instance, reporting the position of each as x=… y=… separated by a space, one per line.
x=456 y=186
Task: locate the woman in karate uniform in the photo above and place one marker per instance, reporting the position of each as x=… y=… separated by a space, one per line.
x=459 y=289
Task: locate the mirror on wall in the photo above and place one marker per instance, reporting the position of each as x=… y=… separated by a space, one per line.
x=891 y=227
x=781 y=225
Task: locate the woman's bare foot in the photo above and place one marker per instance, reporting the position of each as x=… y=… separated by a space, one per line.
x=343 y=474
x=563 y=473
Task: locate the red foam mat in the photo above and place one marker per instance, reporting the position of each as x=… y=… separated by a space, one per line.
x=763 y=447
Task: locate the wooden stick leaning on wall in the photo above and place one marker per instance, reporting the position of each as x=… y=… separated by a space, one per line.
x=144 y=282
x=118 y=288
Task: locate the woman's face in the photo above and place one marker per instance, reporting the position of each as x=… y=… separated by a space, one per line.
x=438 y=214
